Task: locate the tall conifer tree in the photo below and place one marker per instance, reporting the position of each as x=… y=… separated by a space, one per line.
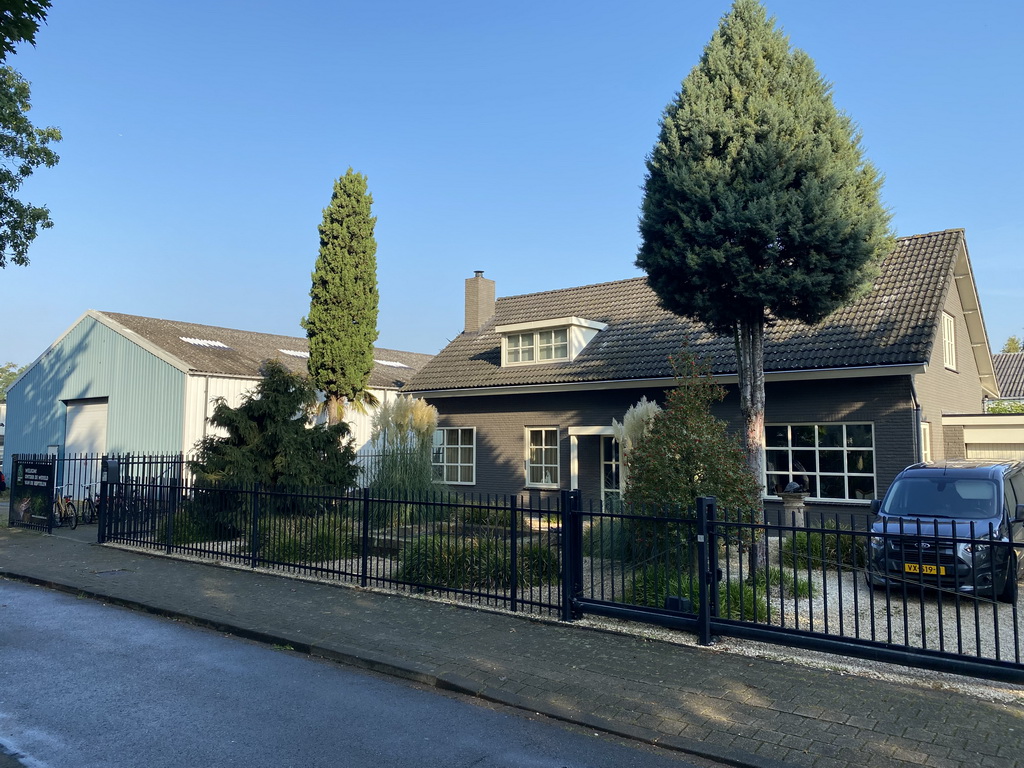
x=342 y=321
x=759 y=204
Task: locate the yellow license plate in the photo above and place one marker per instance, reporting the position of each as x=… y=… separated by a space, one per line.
x=929 y=570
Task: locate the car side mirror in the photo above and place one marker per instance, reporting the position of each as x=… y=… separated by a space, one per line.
x=876 y=504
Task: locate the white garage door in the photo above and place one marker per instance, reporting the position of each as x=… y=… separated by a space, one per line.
x=86 y=427
x=995 y=451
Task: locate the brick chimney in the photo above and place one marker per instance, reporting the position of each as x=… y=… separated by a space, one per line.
x=479 y=301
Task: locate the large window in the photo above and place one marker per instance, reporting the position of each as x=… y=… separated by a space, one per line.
x=542 y=457
x=537 y=346
x=828 y=461
x=454 y=456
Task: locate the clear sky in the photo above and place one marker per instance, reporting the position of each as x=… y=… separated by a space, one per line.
x=202 y=139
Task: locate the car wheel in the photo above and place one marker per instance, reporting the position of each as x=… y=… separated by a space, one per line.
x=1011 y=585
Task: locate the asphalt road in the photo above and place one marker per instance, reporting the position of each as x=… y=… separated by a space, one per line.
x=86 y=684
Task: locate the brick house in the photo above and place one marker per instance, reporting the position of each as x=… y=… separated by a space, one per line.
x=527 y=392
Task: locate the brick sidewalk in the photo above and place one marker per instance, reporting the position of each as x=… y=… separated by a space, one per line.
x=739 y=710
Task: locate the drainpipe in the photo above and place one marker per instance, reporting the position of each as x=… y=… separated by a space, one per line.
x=918 y=452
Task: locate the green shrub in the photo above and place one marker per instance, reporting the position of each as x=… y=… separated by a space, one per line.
x=830 y=549
x=790 y=582
x=311 y=541
x=651 y=586
x=475 y=563
x=641 y=542
x=736 y=600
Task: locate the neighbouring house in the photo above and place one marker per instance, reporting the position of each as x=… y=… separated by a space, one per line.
x=115 y=383
x=528 y=391
x=1009 y=368
x=993 y=434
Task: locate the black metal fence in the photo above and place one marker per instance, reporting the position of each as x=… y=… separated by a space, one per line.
x=943 y=602
x=883 y=595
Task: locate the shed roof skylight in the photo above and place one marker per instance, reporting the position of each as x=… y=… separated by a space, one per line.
x=205 y=342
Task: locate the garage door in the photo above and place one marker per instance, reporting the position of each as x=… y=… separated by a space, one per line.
x=995 y=451
x=86 y=430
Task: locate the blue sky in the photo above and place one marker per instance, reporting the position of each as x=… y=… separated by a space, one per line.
x=202 y=139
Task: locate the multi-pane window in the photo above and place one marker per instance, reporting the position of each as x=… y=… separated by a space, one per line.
x=948 y=341
x=828 y=461
x=537 y=346
x=454 y=455
x=542 y=457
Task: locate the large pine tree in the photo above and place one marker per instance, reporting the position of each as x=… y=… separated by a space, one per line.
x=759 y=204
x=342 y=321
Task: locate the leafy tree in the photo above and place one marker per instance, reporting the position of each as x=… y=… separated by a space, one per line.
x=1012 y=346
x=23 y=147
x=8 y=373
x=342 y=321
x=271 y=442
x=686 y=452
x=19 y=22
x=758 y=202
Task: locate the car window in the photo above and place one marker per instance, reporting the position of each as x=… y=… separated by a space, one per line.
x=968 y=499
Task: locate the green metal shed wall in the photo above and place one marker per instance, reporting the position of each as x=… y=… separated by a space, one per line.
x=145 y=394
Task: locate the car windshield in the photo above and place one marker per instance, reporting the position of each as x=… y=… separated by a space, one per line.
x=967 y=499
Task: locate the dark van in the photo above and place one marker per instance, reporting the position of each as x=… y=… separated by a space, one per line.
x=956 y=525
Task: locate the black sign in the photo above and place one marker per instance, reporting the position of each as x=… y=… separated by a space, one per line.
x=32 y=492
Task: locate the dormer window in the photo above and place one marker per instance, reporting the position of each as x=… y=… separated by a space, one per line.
x=541 y=346
x=546 y=341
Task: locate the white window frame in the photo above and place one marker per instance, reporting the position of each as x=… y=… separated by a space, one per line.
x=610 y=464
x=948 y=341
x=552 y=477
x=817 y=473
x=926 y=441
x=448 y=458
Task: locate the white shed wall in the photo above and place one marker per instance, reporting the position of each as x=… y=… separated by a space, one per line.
x=200 y=394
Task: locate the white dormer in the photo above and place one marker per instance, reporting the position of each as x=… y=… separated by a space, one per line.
x=546 y=341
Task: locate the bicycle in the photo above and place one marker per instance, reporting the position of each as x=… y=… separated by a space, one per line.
x=90 y=504
x=64 y=510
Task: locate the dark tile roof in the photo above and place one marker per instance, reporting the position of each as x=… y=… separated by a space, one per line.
x=1010 y=373
x=893 y=324
x=228 y=352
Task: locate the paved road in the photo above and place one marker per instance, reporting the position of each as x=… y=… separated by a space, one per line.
x=87 y=684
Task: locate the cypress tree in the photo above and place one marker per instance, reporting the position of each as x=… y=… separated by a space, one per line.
x=759 y=204
x=342 y=321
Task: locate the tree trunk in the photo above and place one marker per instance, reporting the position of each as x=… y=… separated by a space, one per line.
x=750 y=369
x=334 y=407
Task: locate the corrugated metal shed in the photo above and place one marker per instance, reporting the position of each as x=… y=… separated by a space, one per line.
x=158 y=379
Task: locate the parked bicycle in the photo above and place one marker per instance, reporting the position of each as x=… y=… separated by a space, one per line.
x=64 y=510
x=89 y=505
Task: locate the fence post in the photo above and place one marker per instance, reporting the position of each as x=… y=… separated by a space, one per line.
x=707 y=568
x=572 y=554
x=364 y=545
x=513 y=508
x=254 y=528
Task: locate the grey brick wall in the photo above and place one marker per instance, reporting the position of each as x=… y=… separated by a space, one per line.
x=501 y=420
